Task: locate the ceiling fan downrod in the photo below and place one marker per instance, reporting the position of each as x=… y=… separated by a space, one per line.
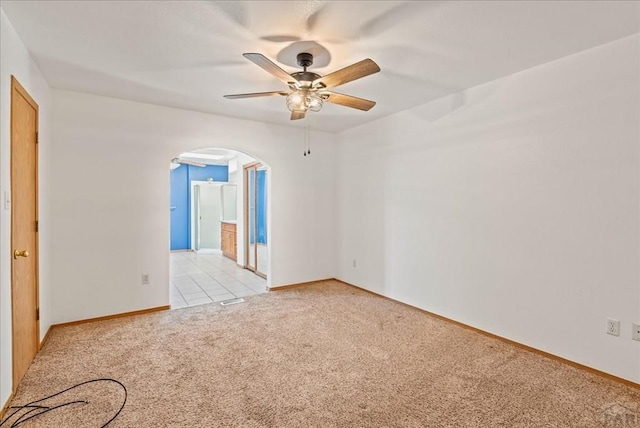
x=304 y=60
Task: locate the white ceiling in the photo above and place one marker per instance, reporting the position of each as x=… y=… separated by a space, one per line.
x=188 y=54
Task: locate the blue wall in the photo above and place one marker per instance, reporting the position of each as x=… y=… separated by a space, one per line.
x=262 y=206
x=179 y=209
x=181 y=179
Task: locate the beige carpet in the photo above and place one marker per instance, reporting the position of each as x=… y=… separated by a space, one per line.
x=325 y=355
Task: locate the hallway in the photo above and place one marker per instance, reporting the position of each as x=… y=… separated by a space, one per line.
x=197 y=279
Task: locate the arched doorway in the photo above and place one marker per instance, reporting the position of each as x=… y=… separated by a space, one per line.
x=209 y=260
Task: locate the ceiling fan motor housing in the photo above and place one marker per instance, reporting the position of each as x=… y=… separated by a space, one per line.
x=304 y=59
x=305 y=78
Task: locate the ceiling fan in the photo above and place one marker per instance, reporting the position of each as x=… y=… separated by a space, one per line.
x=308 y=91
x=177 y=161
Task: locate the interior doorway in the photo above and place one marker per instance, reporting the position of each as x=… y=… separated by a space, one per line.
x=207 y=216
x=24 y=230
x=255 y=218
x=213 y=205
x=207 y=228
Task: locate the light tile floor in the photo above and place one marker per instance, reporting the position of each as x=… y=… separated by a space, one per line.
x=197 y=279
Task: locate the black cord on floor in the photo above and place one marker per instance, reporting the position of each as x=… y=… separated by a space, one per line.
x=36 y=410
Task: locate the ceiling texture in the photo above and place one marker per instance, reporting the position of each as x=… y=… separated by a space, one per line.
x=188 y=54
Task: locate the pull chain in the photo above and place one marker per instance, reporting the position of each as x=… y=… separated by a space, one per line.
x=307 y=142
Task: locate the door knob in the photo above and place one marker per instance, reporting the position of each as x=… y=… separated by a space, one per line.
x=23 y=253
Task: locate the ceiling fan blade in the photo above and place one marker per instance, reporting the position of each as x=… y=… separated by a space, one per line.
x=271 y=67
x=257 y=94
x=188 y=162
x=348 y=101
x=298 y=114
x=348 y=74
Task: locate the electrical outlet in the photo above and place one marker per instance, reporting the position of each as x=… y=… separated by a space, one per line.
x=354 y=263
x=613 y=327
x=145 y=279
x=635 y=331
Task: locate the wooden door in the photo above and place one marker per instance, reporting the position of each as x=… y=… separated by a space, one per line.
x=24 y=236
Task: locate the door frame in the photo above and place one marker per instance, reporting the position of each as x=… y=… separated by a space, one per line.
x=247 y=232
x=17 y=87
x=194 y=229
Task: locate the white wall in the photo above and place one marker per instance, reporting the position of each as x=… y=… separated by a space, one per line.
x=15 y=60
x=110 y=199
x=512 y=207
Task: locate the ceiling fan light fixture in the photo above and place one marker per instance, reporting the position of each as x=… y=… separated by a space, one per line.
x=295 y=101
x=315 y=102
x=304 y=101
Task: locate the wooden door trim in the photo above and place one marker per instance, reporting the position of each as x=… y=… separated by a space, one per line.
x=17 y=87
x=255 y=204
x=252 y=164
x=247 y=233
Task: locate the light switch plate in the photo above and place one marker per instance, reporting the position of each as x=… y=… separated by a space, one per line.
x=635 y=331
